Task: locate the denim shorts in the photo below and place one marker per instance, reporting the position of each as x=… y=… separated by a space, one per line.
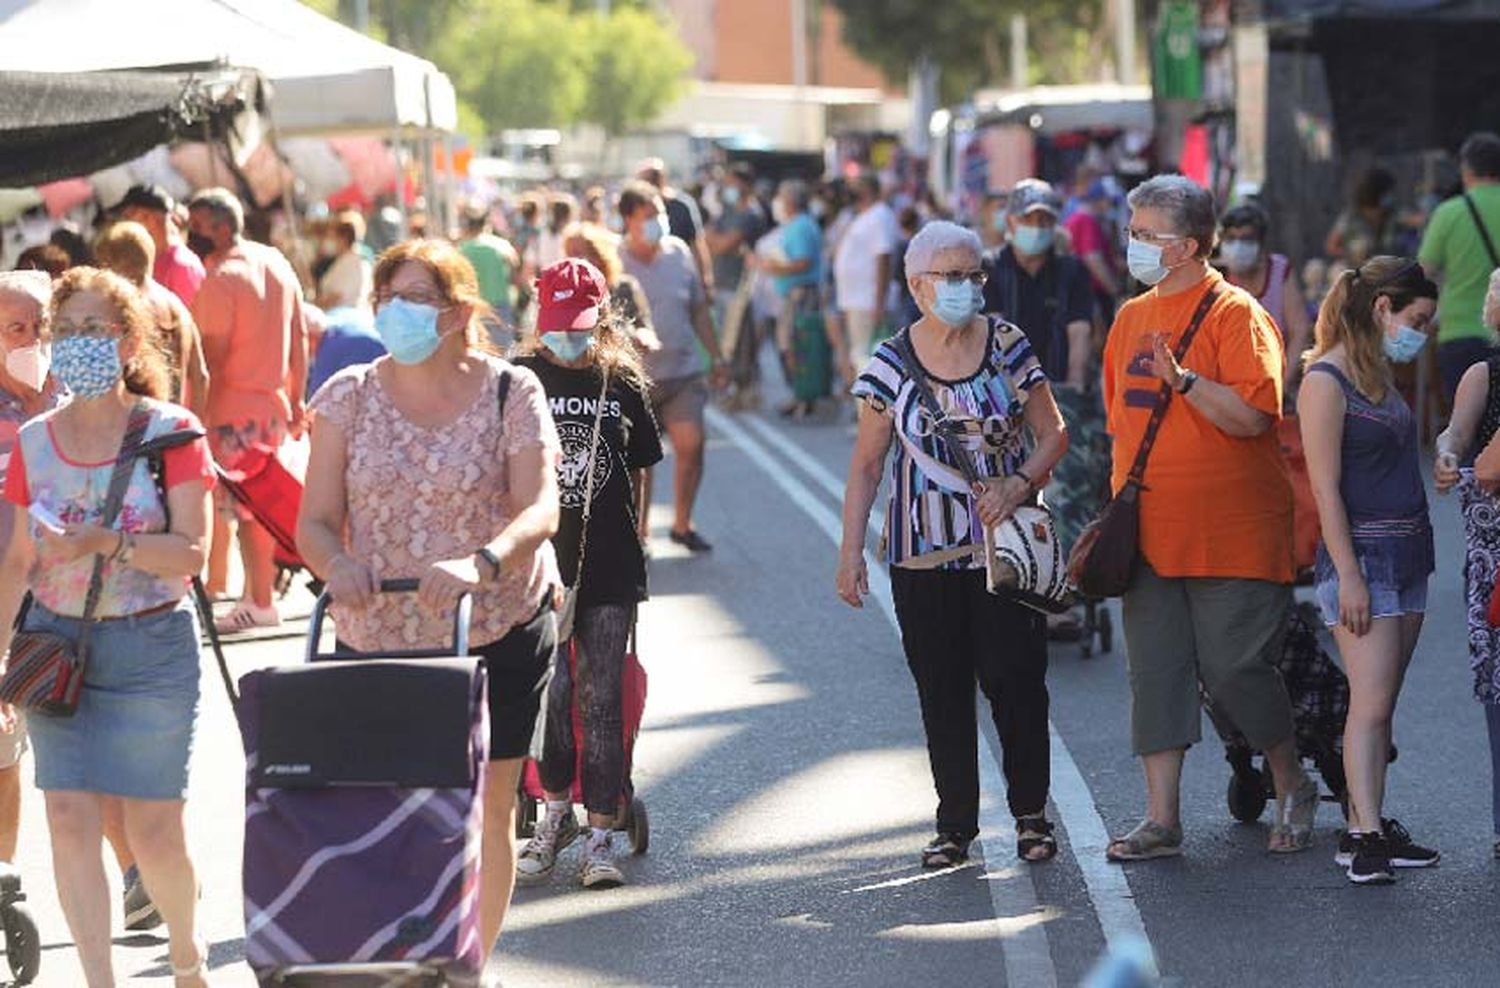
x=1385 y=600
x=132 y=735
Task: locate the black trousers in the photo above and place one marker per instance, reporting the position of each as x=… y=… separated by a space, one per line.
x=955 y=632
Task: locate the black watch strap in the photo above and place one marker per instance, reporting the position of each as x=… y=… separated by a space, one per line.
x=1189 y=378
x=492 y=559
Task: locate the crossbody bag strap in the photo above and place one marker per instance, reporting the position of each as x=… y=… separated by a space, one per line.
x=1484 y=234
x=588 y=487
x=1164 y=399
x=962 y=460
x=114 y=500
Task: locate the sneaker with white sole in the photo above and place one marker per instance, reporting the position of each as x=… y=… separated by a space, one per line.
x=1371 y=863
x=554 y=832
x=247 y=617
x=140 y=911
x=1404 y=852
x=599 y=870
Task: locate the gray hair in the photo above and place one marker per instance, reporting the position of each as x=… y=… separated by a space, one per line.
x=35 y=285
x=937 y=236
x=796 y=192
x=1188 y=205
x=224 y=205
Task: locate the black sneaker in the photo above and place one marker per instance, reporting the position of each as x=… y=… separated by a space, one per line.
x=691 y=540
x=1345 y=854
x=1404 y=853
x=1371 y=864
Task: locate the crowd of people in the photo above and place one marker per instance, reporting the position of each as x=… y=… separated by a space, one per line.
x=538 y=362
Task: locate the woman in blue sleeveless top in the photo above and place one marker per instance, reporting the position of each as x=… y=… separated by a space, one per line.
x=1376 y=553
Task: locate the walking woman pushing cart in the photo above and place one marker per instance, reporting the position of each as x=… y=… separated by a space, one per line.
x=440 y=460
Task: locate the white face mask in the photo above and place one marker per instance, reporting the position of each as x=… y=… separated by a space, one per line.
x=30 y=364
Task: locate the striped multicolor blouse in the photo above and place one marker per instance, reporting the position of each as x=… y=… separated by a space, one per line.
x=930 y=507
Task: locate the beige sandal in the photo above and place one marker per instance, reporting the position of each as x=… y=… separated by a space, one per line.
x=1148 y=840
x=1292 y=831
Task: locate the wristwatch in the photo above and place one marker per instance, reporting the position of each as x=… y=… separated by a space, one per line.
x=491 y=559
x=1186 y=382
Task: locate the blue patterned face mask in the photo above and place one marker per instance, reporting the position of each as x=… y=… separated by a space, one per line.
x=88 y=366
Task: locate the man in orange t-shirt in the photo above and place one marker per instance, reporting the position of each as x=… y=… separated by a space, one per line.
x=1211 y=592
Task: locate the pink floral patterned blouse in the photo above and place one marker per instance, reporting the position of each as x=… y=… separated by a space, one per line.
x=418 y=495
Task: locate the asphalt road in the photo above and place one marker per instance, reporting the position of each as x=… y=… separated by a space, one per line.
x=783 y=767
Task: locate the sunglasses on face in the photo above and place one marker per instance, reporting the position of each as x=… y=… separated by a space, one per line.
x=956 y=278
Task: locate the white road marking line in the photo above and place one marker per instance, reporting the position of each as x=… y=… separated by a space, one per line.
x=1108 y=885
x=1028 y=955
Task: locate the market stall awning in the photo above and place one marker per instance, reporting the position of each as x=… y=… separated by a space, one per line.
x=328 y=78
x=59 y=125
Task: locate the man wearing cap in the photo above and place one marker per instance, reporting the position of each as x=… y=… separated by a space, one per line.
x=26 y=391
x=176 y=266
x=1094 y=244
x=664 y=266
x=1045 y=292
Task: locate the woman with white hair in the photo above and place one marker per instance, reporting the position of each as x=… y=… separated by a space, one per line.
x=991 y=391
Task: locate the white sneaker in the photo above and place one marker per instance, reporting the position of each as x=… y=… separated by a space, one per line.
x=247 y=617
x=554 y=832
x=599 y=870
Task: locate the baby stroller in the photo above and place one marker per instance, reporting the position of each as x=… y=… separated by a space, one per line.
x=267 y=482
x=634 y=820
x=1320 y=703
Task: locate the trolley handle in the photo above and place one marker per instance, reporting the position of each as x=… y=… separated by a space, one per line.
x=462 y=614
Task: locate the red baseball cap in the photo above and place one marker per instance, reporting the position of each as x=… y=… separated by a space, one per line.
x=569 y=294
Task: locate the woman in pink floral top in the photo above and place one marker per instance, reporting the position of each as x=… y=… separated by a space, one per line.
x=132 y=735
x=418 y=471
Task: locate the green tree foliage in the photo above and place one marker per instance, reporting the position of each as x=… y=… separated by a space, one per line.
x=970 y=39
x=538 y=63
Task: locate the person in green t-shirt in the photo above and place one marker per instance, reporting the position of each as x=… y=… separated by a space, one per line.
x=495 y=263
x=1456 y=250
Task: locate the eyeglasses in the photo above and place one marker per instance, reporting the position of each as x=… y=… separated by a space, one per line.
x=955 y=278
x=416 y=296
x=1146 y=236
x=89 y=327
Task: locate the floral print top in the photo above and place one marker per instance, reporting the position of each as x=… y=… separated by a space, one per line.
x=418 y=495
x=39 y=472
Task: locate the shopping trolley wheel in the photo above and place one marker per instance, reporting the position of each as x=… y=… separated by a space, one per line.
x=1106 y=629
x=1247 y=797
x=640 y=827
x=23 y=945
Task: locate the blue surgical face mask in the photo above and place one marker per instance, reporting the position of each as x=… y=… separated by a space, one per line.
x=1239 y=255
x=1144 y=261
x=653 y=230
x=88 y=366
x=568 y=346
x=730 y=195
x=408 y=330
x=1033 y=240
x=958 y=304
x=1405 y=345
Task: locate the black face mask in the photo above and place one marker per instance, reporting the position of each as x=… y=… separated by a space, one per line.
x=200 y=245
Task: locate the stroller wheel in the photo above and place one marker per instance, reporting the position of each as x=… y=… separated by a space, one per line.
x=1106 y=630
x=23 y=945
x=1246 y=797
x=639 y=828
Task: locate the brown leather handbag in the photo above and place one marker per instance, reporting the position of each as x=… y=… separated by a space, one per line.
x=1103 y=559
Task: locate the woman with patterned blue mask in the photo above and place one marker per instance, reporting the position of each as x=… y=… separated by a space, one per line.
x=989 y=390
x=439 y=462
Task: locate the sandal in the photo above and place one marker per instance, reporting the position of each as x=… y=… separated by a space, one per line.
x=1148 y=840
x=946 y=850
x=1295 y=814
x=1034 y=833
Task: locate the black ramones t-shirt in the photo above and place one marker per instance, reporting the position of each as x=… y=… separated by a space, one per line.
x=614 y=571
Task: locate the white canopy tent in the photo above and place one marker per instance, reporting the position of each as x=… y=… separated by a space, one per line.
x=327 y=78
